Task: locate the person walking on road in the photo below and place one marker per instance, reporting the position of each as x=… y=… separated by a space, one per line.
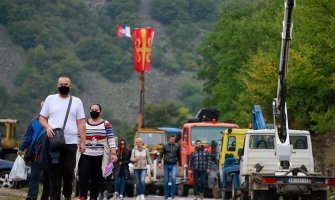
x=33 y=134
x=200 y=162
x=54 y=116
x=99 y=135
x=141 y=158
x=121 y=169
x=171 y=154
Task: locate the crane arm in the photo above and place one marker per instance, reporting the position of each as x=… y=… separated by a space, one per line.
x=279 y=103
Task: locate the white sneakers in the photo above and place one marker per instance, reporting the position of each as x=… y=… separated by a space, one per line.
x=140 y=197
x=116 y=195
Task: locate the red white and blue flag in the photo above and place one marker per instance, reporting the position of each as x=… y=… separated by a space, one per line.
x=123 y=31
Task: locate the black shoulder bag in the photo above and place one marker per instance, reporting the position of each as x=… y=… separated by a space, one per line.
x=29 y=151
x=58 y=140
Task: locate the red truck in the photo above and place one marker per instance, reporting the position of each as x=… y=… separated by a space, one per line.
x=205 y=128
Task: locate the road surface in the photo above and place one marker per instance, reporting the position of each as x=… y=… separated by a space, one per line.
x=154 y=197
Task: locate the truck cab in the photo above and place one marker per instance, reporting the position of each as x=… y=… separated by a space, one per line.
x=207 y=132
x=259 y=148
x=262 y=178
x=231 y=142
x=154 y=139
x=8 y=143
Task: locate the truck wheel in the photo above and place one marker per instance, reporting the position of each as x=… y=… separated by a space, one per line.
x=216 y=190
x=159 y=192
x=244 y=195
x=226 y=194
x=305 y=197
x=208 y=193
x=260 y=195
x=182 y=190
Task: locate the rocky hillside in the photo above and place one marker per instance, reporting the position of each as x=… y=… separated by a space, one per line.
x=12 y=58
x=119 y=99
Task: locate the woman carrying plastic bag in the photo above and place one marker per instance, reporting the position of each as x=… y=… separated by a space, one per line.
x=19 y=171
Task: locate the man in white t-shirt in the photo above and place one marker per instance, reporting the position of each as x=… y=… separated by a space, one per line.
x=52 y=116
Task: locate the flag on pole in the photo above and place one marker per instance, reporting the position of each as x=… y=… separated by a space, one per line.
x=123 y=31
x=142 y=41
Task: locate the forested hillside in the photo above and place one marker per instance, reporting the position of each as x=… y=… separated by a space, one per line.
x=237 y=61
x=78 y=38
x=240 y=59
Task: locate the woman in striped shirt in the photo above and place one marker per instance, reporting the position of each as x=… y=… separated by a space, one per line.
x=99 y=135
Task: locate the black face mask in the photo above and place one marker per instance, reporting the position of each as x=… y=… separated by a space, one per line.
x=64 y=90
x=94 y=114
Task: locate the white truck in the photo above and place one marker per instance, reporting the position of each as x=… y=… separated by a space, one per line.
x=261 y=178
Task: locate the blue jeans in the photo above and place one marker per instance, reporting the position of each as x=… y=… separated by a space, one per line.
x=170 y=168
x=199 y=181
x=140 y=180
x=120 y=184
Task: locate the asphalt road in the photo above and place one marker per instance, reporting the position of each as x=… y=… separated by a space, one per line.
x=153 y=197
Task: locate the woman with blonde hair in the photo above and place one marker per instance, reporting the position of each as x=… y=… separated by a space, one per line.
x=141 y=158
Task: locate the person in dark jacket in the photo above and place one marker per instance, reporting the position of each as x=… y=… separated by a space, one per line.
x=33 y=134
x=121 y=169
x=200 y=162
x=171 y=154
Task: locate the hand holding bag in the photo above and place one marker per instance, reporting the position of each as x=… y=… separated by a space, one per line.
x=58 y=140
x=18 y=171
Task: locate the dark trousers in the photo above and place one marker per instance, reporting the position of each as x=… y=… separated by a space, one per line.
x=199 y=181
x=64 y=170
x=90 y=175
x=34 y=181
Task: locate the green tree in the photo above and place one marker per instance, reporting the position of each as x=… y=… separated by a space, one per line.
x=165 y=114
x=240 y=67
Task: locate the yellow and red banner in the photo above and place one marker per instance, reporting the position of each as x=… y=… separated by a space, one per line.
x=142 y=41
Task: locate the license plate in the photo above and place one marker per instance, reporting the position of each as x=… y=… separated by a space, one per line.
x=298 y=180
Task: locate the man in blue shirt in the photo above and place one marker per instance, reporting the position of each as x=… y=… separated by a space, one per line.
x=34 y=132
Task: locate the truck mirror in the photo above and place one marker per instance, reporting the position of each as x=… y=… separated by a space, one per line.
x=214 y=151
x=214 y=144
x=240 y=152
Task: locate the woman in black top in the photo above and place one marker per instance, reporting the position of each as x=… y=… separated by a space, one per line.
x=121 y=168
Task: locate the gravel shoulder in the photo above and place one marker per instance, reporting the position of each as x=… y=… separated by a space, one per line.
x=12 y=194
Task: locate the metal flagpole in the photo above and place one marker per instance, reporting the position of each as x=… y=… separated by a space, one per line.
x=141 y=110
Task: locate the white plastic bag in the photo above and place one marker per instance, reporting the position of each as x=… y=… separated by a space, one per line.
x=19 y=171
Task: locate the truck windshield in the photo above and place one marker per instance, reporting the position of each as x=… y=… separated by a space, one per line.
x=152 y=139
x=261 y=142
x=267 y=142
x=299 y=142
x=206 y=134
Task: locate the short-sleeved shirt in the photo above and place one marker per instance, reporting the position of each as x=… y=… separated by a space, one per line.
x=55 y=108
